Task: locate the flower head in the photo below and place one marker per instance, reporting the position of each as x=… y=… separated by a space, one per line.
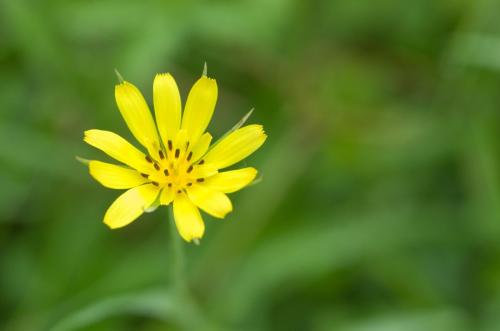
x=180 y=167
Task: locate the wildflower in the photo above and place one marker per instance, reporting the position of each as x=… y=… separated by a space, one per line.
x=180 y=167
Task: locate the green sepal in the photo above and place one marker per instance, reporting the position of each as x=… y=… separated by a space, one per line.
x=82 y=160
x=119 y=76
x=234 y=128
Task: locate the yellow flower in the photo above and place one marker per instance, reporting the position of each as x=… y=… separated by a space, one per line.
x=180 y=166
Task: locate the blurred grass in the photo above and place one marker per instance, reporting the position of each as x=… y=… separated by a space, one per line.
x=379 y=205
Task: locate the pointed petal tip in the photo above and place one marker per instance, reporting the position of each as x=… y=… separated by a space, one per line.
x=210 y=81
x=85 y=134
x=262 y=131
x=259 y=128
x=121 y=85
x=224 y=213
x=196 y=241
x=162 y=75
x=110 y=226
x=206 y=78
x=228 y=212
x=204 y=69
x=151 y=208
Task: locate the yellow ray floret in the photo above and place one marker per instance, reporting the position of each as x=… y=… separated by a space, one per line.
x=188 y=219
x=180 y=167
x=236 y=146
x=130 y=205
x=116 y=147
x=135 y=111
x=167 y=104
x=212 y=202
x=200 y=106
x=114 y=176
x=231 y=181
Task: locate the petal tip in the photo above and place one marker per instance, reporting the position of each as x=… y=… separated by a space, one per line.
x=120 y=85
x=209 y=80
x=124 y=87
x=87 y=135
x=163 y=75
x=111 y=226
x=253 y=173
x=224 y=213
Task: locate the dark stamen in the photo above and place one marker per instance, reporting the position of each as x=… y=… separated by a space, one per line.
x=161 y=155
x=179 y=191
x=200 y=180
x=166 y=172
x=201 y=162
x=169 y=143
x=189 y=184
x=149 y=159
x=177 y=152
x=190 y=169
x=190 y=155
x=187 y=145
x=169 y=184
x=155 y=183
x=157 y=167
x=144 y=175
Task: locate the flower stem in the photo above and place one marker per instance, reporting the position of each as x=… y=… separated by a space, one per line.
x=177 y=251
x=192 y=315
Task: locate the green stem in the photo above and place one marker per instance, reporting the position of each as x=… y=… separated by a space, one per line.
x=192 y=316
x=177 y=251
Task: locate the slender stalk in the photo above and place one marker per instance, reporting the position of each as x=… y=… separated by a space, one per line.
x=192 y=315
x=177 y=251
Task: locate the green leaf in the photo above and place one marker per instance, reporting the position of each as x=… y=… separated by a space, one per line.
x=158 y=303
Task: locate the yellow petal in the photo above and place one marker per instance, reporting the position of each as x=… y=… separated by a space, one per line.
x=118 y=148
x=236 y=146
x=201 y=147
x=130 y=205
x=231 y=181
x=203 y=171
x=187 y=218
x=181 y=140
x=200 y=106
x=167 y=102
x=167 y=196
x=177 y=147
x=213 y=202
x=135 y=111
x=114 y=176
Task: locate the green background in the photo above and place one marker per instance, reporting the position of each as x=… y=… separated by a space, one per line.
x=379 y=207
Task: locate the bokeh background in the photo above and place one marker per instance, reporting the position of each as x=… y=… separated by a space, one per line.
x=379 y=205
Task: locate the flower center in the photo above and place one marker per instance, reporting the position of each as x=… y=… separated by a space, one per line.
x=174 y=168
